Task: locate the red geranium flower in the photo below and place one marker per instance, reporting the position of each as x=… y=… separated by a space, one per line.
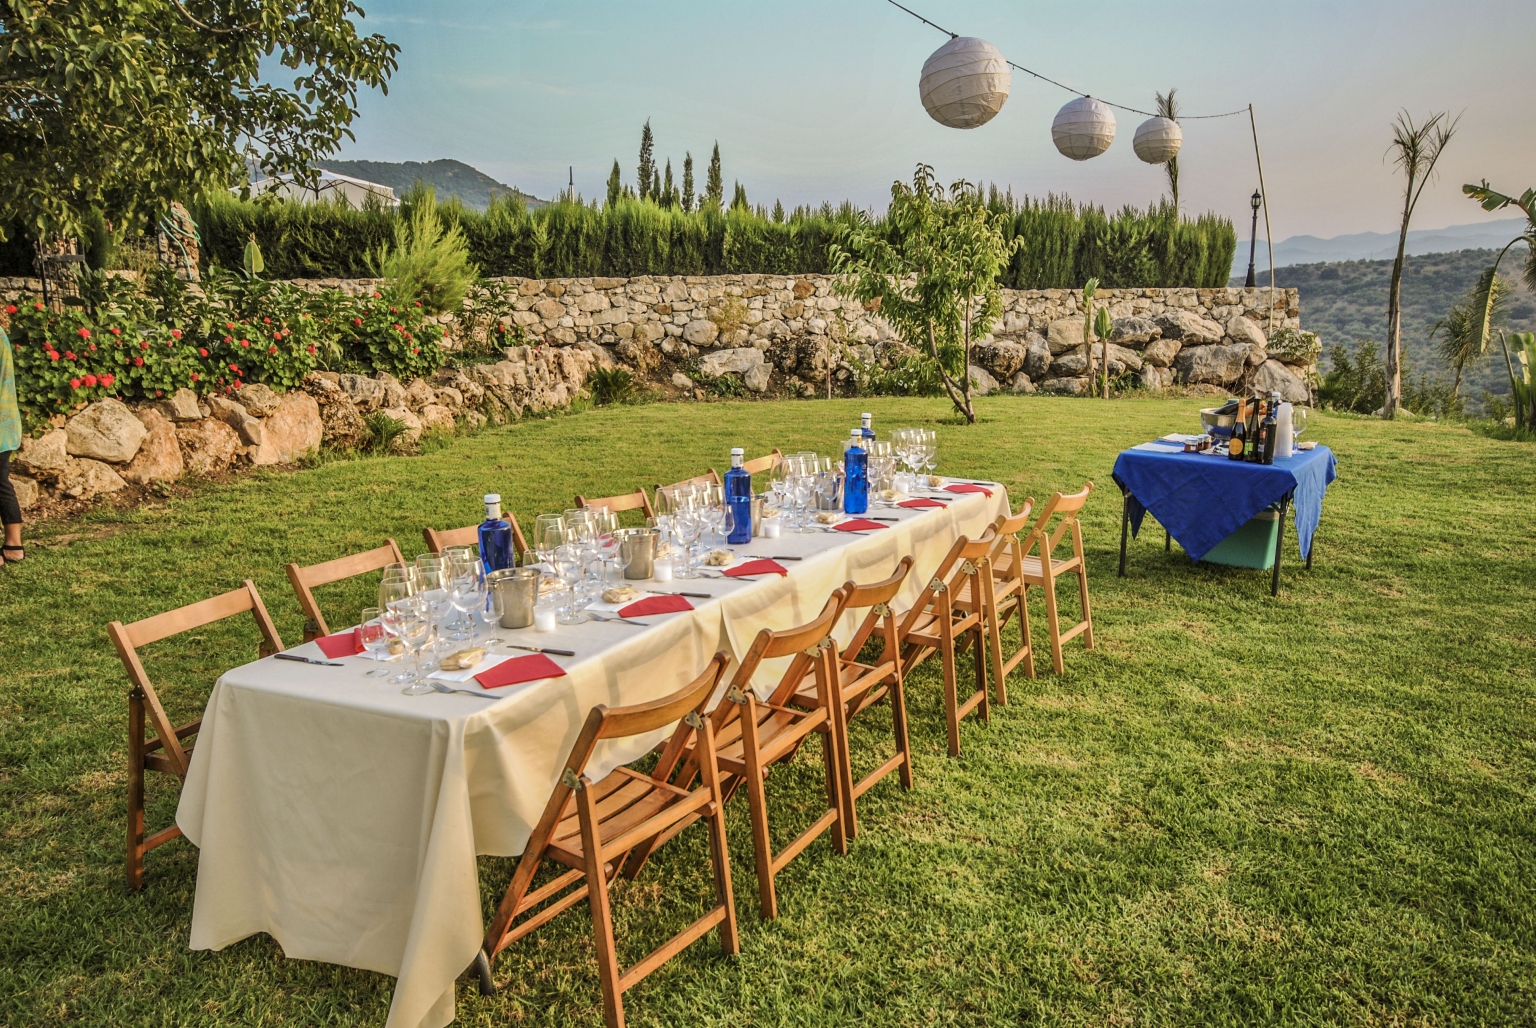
x=415 y=349
x=266 y=321
x=175 y=333
x=202 y=351
x=144 y=344
x=159 y=393
x=234 y=369
x=397 y=328
x=277 y=335
x=90 y=381
x=229 y=339
x=394 y=310
x=376 y=296
x=238 y=383
x=311 y=349
x=84 y=333
x=357 y=321
x=245 y=343
x=115 y=331
x=39 y=306
x=10 y=308
x=229 y=325
x=92 y=348
x=74 y=383
x=271 y=349
x=195 y=376
x=138 y=362
x=418 y=303
x=69 y=355
x=107 y=380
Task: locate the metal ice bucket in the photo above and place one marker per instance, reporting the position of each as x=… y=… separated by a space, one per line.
x=516 y=591
x=637 y=552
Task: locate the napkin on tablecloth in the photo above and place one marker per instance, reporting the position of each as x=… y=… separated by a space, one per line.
x=342 y=644
x=518 y=670
x=858 y=525
x=966 y=487
x=656 y=605
x=920 y=502
x=757 y=567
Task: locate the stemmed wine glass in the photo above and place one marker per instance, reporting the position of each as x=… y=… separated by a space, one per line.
x=570 y=566
x=606 y=540
x=402 y=615
x=375 y=640
x=687 y=525
x=466 y=592
x=548 y=535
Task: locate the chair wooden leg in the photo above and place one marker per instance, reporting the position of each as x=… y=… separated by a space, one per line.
x=836 y=741
x=602 y=915
x=1053 y=624
x=1029 y=645
x=951 y=694
x=981 y=670
x=994 y=623
x=757 y=803
x=1082 y=592
x=898 y=702
x=730 y=937
x=135 y=866
x=838 y=801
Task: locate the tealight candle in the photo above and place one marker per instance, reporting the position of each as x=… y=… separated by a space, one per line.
x=770 y=528
x=661 y=571
x=543 y=619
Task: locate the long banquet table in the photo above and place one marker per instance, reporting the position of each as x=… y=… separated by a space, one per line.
x=343 y=818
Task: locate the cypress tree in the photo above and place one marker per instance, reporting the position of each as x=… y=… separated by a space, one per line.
x=778 y=211
x=739 y=198
x=655 y=193
x=687 y=182
x=614 y=185
x=668 y=190
x=647 y=168
x=714 y=184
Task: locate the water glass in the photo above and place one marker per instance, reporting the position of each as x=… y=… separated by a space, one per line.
x=375 y=640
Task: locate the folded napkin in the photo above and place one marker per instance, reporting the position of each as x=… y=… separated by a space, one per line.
x=921 y=501
x=858 y=525
x=966 y=487
x=487 y=662
x=342 y=644
x=757 y=567
x=519 y=669
x=656 y=605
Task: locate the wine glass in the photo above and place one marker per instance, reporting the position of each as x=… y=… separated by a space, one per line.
x=398 y=607
x=607 y=540
x=1298 y=420
x=375 y=640
x=413 y=627
x=548 y=535
x=401 y=573
x=687 y=526
x=571 y=568
x=466 y=591
x=435 y=606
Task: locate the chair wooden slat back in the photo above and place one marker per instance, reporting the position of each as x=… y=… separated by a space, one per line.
x=1040 y=567
x=590 y=828
x=1004 y=593
x=767 y=462
x=636 y=500
x=306 y=580
x=710 y=477
x=438 y=541
x=165 y=750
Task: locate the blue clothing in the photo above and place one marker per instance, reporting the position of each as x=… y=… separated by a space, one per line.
x=10 y=414
x=1201 y=499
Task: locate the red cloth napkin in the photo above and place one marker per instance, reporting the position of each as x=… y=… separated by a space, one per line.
x=519 y=669
x=966 y=487
x=656 y=605
x=921 y=501
x=858 y=525
x=757 y=567
x=342 y=644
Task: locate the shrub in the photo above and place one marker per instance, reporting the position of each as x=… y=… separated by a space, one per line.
x=1358 y=384
x=428 y=261
x=391 y=334
x=612 y=385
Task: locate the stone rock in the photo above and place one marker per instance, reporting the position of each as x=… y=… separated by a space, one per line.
x=757 y=377
x=27 y=492
x=45 y=456
x=1070 y=364
x=700 y=332
x=1242 y=330
x=1155 y=378
x=1134 y=331
x=105 y=431
x=1070 y=386
x=1120 y=358
x=681 y=381
x=1065 y=334
x=159 y=458
x=437 y=418
x=450 y=397
x=294 y=430
x=1161 y=352
x=207 y=446
x=1190 y=329
x=394 y=392
x=1002 y=357
x=1204 y=389
x=736 y=361
x=365 y=392
x=640 y=354
x=418 y=394
x=411 y=422
x=473 y=419
x=181 y=406
x=1037 y=355
x=1274 y=377
x=1021 y=384
x=982 y=381
x=257 y=399
x=802 y=289
x=1214 y=365
x=87 y=478
x=549 y=310
x=236 y=417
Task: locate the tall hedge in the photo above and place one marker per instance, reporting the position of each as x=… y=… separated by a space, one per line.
x=1064 y=244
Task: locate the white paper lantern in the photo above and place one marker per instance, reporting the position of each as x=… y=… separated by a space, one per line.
x=1083 y=128
x=1157 y=140
x=965 y=83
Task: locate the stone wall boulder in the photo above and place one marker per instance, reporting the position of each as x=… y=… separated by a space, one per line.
x=757 y=377
x=27 y=492
x=411 y=422
x=46 y=456
x=1161 y=352
x=1065 y=334
x=181 y=406
x=737 y=361
x=700 y=332
x=236 y=417
x=1070 y=364
x=436 y=418
x=159 y=458
x=293 y=430
x=1213 y=365
x=1002 y=357
x=87 y=478
x=1274 y=377
x=257 y=399
x=1066 y=385
x=105 y=431
x=1120 y=358
x=1155 y=378
x=366 y=393
x=1190 y=329
x=207 y=446
x=1037 y=356
x=1021 y=383
x=982 y=382
x=418 y=394
x=1134 y=331
x=341 y=424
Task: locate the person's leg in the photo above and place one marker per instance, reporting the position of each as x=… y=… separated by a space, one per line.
x=10 y=512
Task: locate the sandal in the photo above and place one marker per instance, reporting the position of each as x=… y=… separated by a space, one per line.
x=14 y=560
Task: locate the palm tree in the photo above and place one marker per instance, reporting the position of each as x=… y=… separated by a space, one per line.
x=1462 y=331
x=1495 y=201
x=1415 y=149
x=1168 y=107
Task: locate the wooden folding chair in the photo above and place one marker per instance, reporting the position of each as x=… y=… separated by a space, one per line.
x=767 y=462
x=861 y=685
x=469 y=535
x=1043 y=569
x=1004 y=594
x=306 y=580
x=591 y=827
x=167 y=750
x=709 y=477
x=636 y=500
x=947 y=617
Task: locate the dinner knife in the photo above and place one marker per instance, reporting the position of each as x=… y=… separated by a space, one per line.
x=308 y=660
x=695 y=596
x=542 y=649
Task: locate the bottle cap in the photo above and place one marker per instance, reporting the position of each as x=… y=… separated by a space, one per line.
x=492 y=497
x=737 y=451
x=856 y=433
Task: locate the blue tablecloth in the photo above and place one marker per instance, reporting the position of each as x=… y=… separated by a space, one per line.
x=1201 y=499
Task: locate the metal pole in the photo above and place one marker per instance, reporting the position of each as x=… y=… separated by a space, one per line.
x=1264 y=193
x=1253 y=242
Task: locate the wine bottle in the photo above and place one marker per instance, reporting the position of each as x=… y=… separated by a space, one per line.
x=856 y=474
x=738 y=495
x=1251 y=453
x=495 y=536
x=1239 y=441
x=1269 y=431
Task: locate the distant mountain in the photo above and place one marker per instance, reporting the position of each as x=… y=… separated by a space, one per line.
x=1372 y=246
x=473 y=187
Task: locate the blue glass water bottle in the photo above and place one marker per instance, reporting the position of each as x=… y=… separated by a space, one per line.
x=738 y=494
x=856 y=474
x=495 y=536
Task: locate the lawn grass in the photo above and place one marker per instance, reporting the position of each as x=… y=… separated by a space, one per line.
x=1316 y=809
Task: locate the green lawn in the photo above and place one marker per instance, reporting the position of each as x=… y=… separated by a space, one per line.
x=1316 y=809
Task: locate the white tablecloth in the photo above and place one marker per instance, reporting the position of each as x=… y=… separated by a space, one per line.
x=343 y=818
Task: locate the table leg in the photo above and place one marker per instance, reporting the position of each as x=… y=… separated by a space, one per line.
x=1312 y=549
x=1167 y=541
x=1274 y=583
x=1125 y=528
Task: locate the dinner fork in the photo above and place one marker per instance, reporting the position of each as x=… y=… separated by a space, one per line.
x=440 y=687
x=604 y=617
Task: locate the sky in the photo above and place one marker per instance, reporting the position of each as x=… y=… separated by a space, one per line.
x=814 y=101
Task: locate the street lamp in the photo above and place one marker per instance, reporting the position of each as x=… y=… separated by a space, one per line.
x=1253 y=237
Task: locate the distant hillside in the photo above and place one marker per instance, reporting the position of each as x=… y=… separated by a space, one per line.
x=1347 y=300
x=449 y=178
x=1375 y=246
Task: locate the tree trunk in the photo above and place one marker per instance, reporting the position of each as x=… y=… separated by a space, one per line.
x=965 y=359
x=960 y=402
x=1394 y=368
